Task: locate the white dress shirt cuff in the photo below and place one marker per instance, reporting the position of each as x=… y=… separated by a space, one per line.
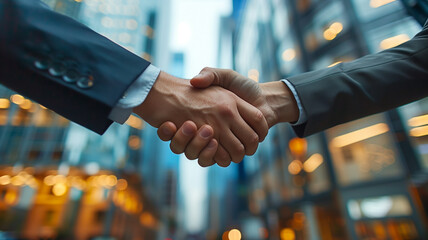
x=135 y=95
x=302 y=115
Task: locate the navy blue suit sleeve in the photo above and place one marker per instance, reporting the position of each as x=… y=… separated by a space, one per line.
x=63 y=64
x=368 y=85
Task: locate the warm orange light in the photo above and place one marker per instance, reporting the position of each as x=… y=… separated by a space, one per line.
x=134 y=142
x=32 y=182
x=360 y=135
x=289 y=54
x=4 y=103
x=287 y=234
x=121 y=185
x=298 y=146
x=419 y=131
x=336 y=27
x=299 y=217
x=225 y=236
x=334 y=64
x=394 y=41
x=147 y=220
x=135 y=122
x=77 y=182
x=379 y=3
x=295 y=167
x=418 y=121
x=313 y=162
x=17 y=99
x=254 y=75
x=234 y=234
x=17 y=180
x=26 y=105
x=111 y=181
x=329 y=35
x=10 y=197
x=49 y=180
x=331 y=32
x=60 y=179
x=5 y=180
x=59 y=189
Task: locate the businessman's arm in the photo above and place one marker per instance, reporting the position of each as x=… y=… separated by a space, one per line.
x=63 y=64
x=346 y=92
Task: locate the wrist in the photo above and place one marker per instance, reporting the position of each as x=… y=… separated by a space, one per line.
x=160 y=97
x=281 y=101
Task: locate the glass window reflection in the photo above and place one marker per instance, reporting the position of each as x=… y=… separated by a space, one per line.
x=368 y=10
x=345 y=52
x=289 y=56
x=363 y=150
x=326 y=25
x=315 y=166
x=416 y=122
x=392 y=35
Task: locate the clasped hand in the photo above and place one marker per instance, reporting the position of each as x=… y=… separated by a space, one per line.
x=222 y=115
x=229 y=126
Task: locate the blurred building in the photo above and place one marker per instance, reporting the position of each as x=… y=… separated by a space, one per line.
x=59 y=180
x=367 y=179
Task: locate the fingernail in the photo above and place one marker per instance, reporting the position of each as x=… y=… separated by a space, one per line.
x=188 y=131
x=205 y=132
x=212 y=144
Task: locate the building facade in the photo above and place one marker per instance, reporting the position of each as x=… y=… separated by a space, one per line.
x=366 y=179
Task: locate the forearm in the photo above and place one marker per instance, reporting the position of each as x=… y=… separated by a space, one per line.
x=369 y=85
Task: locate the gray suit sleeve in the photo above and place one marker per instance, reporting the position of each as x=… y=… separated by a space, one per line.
x=368 y=85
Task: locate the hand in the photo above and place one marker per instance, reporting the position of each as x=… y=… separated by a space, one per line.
x=237 y=125
x=273 y=99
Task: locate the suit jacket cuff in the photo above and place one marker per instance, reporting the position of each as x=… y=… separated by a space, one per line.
x=135 y=95
x=302 y=115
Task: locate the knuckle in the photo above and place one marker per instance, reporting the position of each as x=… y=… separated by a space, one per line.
x=258 y=117
x=239 y=153
x=206 y=69
x=254 y=139
x=225 y=110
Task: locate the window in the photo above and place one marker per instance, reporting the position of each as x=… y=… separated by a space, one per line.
x=363 y=150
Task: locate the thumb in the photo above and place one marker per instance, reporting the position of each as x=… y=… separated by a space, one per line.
x=202 y=80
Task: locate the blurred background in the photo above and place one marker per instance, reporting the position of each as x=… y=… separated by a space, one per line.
x=367 y=179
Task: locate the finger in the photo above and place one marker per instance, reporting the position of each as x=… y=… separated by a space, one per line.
x=233 y=146
x=199 y=142
x=183 y=136
x=246 y=135
x=206 y=157
x=222 y=157
x=253 y=117
x=204 y=79
x=166 y=131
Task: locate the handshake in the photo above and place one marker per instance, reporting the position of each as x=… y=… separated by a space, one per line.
x=222 y=116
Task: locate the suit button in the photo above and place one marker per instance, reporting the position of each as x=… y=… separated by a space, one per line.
x=71 y=76
x=86 y=82
x=57 y=69
x=41 y=64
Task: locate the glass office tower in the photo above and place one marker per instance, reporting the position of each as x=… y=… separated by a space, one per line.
x=366 y=179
